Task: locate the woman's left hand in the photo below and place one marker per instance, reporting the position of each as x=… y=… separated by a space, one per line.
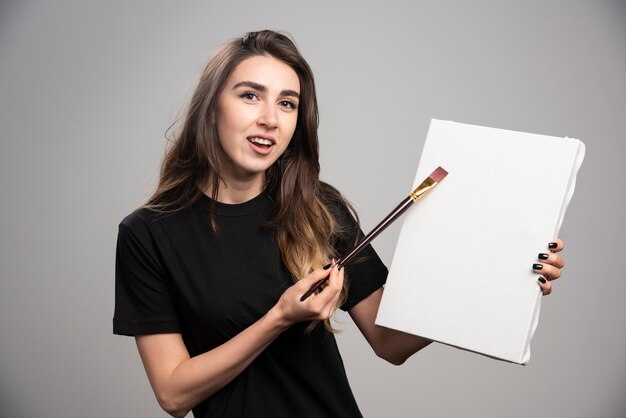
x=549 y=266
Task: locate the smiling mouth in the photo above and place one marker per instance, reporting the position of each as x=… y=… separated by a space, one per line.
x=263 y=143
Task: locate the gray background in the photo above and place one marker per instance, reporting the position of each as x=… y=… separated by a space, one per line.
x=88 y=88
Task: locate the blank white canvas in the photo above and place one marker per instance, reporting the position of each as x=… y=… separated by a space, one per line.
x=461 y=273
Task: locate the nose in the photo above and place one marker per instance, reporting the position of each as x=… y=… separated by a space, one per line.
x=268 y=117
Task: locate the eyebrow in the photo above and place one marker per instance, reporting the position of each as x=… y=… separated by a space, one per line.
x=262 y=88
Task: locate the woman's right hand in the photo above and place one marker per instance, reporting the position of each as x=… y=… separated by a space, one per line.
x=318 y=306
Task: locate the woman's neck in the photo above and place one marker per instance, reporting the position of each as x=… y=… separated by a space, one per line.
x=233 y=191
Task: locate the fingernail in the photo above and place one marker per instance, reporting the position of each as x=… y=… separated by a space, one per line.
x=537 y=266
x=327 y=266
x=543 y=256
x=340 y=267
x=541 y=279
x=552 y=245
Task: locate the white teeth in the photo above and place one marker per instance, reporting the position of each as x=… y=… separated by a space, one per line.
x=261 y=141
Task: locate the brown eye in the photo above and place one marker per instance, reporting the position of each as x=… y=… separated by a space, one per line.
x=288 y=104
x=249 y=96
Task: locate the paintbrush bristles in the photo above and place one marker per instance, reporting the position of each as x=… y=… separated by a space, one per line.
x=439 y=174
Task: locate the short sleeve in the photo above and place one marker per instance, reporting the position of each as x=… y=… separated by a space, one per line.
x=366 y=273
x=143 y=300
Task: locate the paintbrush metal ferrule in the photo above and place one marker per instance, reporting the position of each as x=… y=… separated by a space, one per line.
x=427 y=185
x=422 y=189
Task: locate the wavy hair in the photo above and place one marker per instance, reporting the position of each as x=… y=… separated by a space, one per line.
x=304 y=221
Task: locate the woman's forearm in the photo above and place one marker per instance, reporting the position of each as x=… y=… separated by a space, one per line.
x=391 y=345
x=193 y=380
x=396 y=346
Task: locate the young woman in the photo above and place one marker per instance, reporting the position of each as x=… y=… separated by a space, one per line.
x=209 y=273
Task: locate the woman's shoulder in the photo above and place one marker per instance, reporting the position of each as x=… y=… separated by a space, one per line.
x=331 y=196
x=139 y=217
x=144 y=218
x=334 y=199
x=342 y=210
x=155 y=222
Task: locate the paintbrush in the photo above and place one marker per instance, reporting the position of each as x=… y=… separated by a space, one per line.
x=430 y=182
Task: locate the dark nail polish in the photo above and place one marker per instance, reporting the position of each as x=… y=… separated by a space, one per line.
x=552 y=245
x=543 y=256
x=541 y=279
x=537 y=266
x=340 y=267
x=327 y=266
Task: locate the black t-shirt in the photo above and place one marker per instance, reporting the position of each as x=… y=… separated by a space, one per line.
x=175 y=275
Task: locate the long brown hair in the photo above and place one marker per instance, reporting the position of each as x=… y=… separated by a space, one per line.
x=304 y=221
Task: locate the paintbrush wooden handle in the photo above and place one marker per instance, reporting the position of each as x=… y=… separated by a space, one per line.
x=395 y=214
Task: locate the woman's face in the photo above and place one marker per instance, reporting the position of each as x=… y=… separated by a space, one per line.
x=256 y=116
